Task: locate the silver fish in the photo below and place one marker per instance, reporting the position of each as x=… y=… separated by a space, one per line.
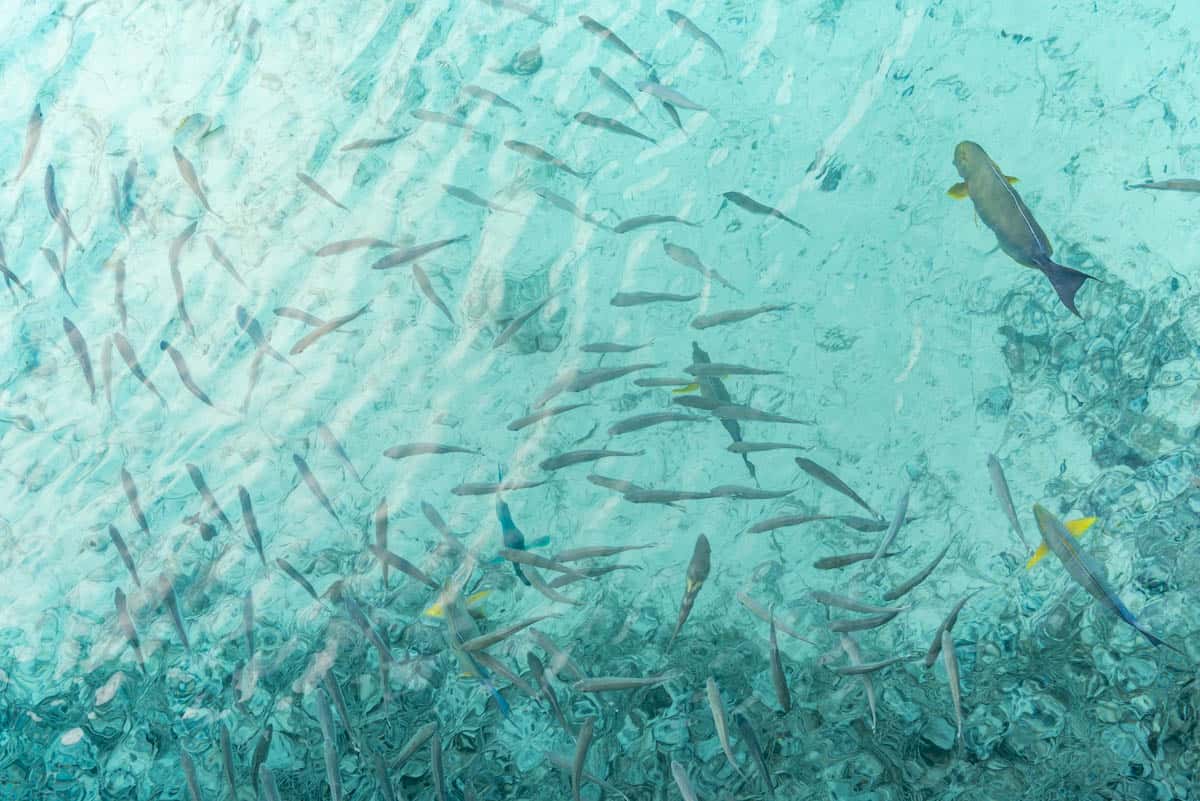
x=634 y=223
x=251 y=523
x=719 y=722
x=1172 y=184
x=59 y=271
x=530 y=419
x=191 y=179
x=785 y=521
x=679 y=772
x=56 y=211
x=736 y=315
x=1000 y=487
x=227 y=760
x=189 y=776
x=609 y=124
x=855 y=657
x=638 y=422
x=636 y=494
x=173 y=254
x=314 y=486
x=844 y=625
x=123 y=552
x=833 y=482
x=735 y=411
x=894 y=528
x=706 y=369
x=951 y=660
x=561 y=202
x=467 y=196
x=778 y=675
x=436 y=769
x=118 y=268
x=222 y=259
x=325 y=718
x=617 y=91
x=691 y=29
x=131 y=494
x=449 y=120
x=131 y=361
x=480 y=93
x=847 y=559
x=253 y=329
x=662 y=381
x=612 y=40
x=79 y=345
x=747 y=493
x=492 y=637
x=853 y=604
x=537 y=154
x=520 y=8
x=750 y=741
x=904 y=588
x=334 y=445
x=872 y=667
x=753 y=206
x=347 y=245
x=688 y=258
x=412 y=254
x=106 y=371
x=206 y=494
x=581 y=457
x=583 y=380
x=490 y=488
x=624 y=299
x=946 y=625
x=389 y=559
x=270 y=789
x=127 y=628
x=514 y=326
x=362 y=144
x=337 y=322
x=668 y=95
x=33 y=135
x=320 y=190
x=600 y=684
x=426 y=287
x=185 y=375
x=424 y=449
x=248 y=624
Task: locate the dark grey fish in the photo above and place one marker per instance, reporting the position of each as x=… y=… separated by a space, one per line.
x=586 y=379
x=612 y=40
x=56 y=212
x=191 y=178
x=846 y=625
x=131 y=494
x=337 y=322
x=666 y=496
x=757 y=447
x=412 y=254
x=514 y=326
x=177 y=279
x=489 y=96
x=347 y=245
x=736 y=315
x=424 y=449
x=118 y=268
x=701 y=402
x=617 y=91
x=530 y=419
x=254 y=330
x=749 y=413
x=488 y=488
x=691 y=29
x=1000 y=487
x=634 y=223
x=467 y=196
x=33 y=135
x=206 y=494
x=131 y=361
x=609 y=124
x=286 y=567
x=227 y=761
x=426 y=287
x=900 y=590
x=547 y=690
x=59 y=271
x=872 y=667
x=537 y=154
x=314 y=486
x=785 y=521
x=251 y=523
x=583 y=742
x=668 y=95
x=704 y=369
x=10 y=278
x=833 y=482
x=561 y=202
x=389 y=559
x=624 y=299
x=847 y=559
x=778 y=675
x=248 y=624
x=612 y=347
x=747 y=493
x=123 y=550
x=127 y=628
x=222 y=259
x=1171 y=184
x=362 y=144
x=185 y=375
x=688 y=258
x=638 y=422
x=750 y=741
x=947 y=624
x=581 y=457
x=320 y=190
x=672 y=113
x=79 y=345
x=753 y=206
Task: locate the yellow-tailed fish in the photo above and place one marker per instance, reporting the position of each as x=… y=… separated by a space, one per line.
x=1076 y=527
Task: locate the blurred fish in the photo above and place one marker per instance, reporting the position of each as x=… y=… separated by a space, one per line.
x=413 y=253
x=308 y=339
x=612 y=40
x=833 y=482
x=177 y=245
x=320 y=190
x=79 y=345
x=206 y=494
x=347 y=245
x=123 y=552
x=1000 y=486
x=847 y=559
x=583 y=742
x=325 y=718
x=363 y=144
x=191 y=179
x=489 y=488
x=436 y=769
x=668 y=95
x=426 y=287
x=331 y=442
x=189 y=776
x=33 y=135
x=561 y=202
x=131 y=494
x=537 y=154
x=664 y=382
x=855 y=657
x=530 y=419
x=718 y=714
x=295 y=575
x=227 y=761
x=750 y=742
x=467 y=196
x=679 y=772
x=581 y=457
x=60 y=272
x=611 y=125
x=636 y=494
x=785 y=521
x=449 y=120
x=894 y=528
x=616 y=90
x=713 y=390
x=904 y=588
x=753 y=206
x=258 y=771
x=736 y=315
x=547 y=691
x=253 y=329
x=946 y=625
x=131 y=361
x=511 y=329
x=758 y=447
x=1171 y=184
x=951 y=660
x=520 y=8
x=724 y=369
x=220 y=258
x=489 y=639
x=697 y=574
x=56 y=211
x=479 y=93
x=638 y=422
x=873 y=667
x=844 y=625
x=118 y=268
x=512 y=537
x=166 y=590
x=691 y=29
x=853 y=604
x=383 y=779
x=389 y=559
x=251 y=524
x=314 y=486
x=248 y=624
x=270 y=789
x=126 y=623
x=596 y=551
x=423 y=449
x=602 y=684
x=690 y=259
x=634 y=223
x=778 y=675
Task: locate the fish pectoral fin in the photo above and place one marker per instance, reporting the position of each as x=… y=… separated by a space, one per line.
x=1077 y=529
x=1038 y=556
x=1012 y=179
x=477 y=597
x=437 y=610
x=692 y=387
x=958 y=191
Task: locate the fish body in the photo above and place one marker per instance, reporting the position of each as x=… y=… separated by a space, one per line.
x=314 y=486
x=735 y=315
x=79 y=345
x=668 y=95
x=904 y=588
x=582 y=744
x=33 y=135
x=581 y=457
x=530 y=419
x=753 y=206
x=308 y=339
x=60 y=272
x=612 y=40
x=424 y=449
x=188 y=172
x=1000 y=486
x=894 y=528
x=625 y=299
x=131 y=494
x=319 y=190
x=537 y=154
x=480 y=93
x=491 y=488
x=785 y=521
x=697 y=573
x=951 y=660
x=1171 y=184
x=363 y=144
x=634 y=223
x=126 y=624
x=833 y=482
x=778 y=675
x=251 y=523
x=325 y=717
x=1002 y=210
x=467 y=196
x=713 y=390
x=855 y=656
x=691 y=29
x=123 y=552
x=750 y=741
x=426 y=287
x=611 y=125
x=708 y=369
x=757 y=447
x=638 y=422
x=517 y=322
x=347 y=245
x=719 y=722
x=220 y=258
x=206 y=494
x=512 y=537
x=690 y=259
x=413 y=253
x=606 y=81
x=126 y=351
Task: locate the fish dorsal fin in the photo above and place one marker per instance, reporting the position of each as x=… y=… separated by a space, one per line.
x=958 y=191
x=1076 y=527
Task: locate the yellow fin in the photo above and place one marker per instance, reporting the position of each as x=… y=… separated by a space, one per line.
x=692 y=387
x=1076 y=527
x=1012 y=179
x=958 y=191
x=436 y=610
x=477 y=597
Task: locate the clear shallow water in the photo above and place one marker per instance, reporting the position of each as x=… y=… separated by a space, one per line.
x=913 y=346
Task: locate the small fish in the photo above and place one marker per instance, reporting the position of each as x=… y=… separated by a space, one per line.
x=753 y=206
x=492 y=637
x=1000 y=487
x=718 y=714
x=1005 y=213
x=467 y=196
x=672 y=113
x=126 y=351
x=118 y=268
x=1171 y=184
x=638 y=494
x=679 y=772
x=511 y=329
x=634 y=223
x=689 y=258
x=951 y=660
x=251 y=523
x=713 y=390
x=123 y=551
x=583 y=380
x=299 y=314
x=668 y=95
x=855 y=657
x=520 y=8
x=79 y=345
x=331 y=441
x=220 y=258
x=381 y=537
x=697 y=573
x=312 y=336
x=736 y=315
x=853 y=604
x=609 y=124
x=530 y=419
x=227 y=760
x=205 y=493
x=624 y=299
x=894 y=528
x=185 y=375
x=167 y=590
x=597 y=552
x=60 y=272
x=189 y=776
x=904 y=588
x=612 y=40
x=347 y=245
x=412 y=254
x=778 y=676
x=724 y=369
x=320 y=190
x=1087 y=572
x=270 y=789
x=785 y=521
x=325 y=718
x=491 y=488
x=617 y=91
x=872 y=667
x=747 y=493
x=561 y=202
x=255 y=374
x=248 y=624
x=106 y=371
x=581 y=457
x=389 y=559
x=537 y=154
x=126 y=623
x=663 y=382
x=519 y=556
x=56 y=212
x=582 y=743
x=691 y=29
x=363 y=144
x=424 y=448
x=748 y=413
x=833 y=482
x=638 y=422
x=757 y=447
x=480 y=93
x=257 y=761
x=253 y=329
x=426 y=287
x=33 y=135
x=616 y=484
x=547 y=691
x=449 y=120
x=418 y=739
x=946 y=625
x=383 y=779
x=314 y=486
x=329 y=682
x=131 y=494
x=847 y=559
x=750 y=741
x=757 y=609
x=601 y=684
x=842 y=626
x=191 y=179
x=173 y=254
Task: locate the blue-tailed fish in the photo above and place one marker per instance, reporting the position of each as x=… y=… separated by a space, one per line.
x=1087 y=572
x=1076 y=527
x=513 y=537
x=460 y=628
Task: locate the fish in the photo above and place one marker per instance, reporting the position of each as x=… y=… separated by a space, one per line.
x=1000 y=487
x=950 y=658
x=847 y=559
x=612 y=40
x=325 y=718
x=118 y=268
x=637 y=494
x=296 y=576
x=547 y=691
x=436 y=769
x=844 y=625
x=778 y=676
x=314 y=486
x=347 y=245
x=664 y=382
x=704 y=321
x=668 y=95
x=602 y=684
x=590 y=573
x=308 y=339
x=406 y=255
x=426 y=287
x=514 y=326
x=855 y=657
x=638 y=422
x=185 y=374
x=123 y=551
x=79 y=345
x=758 y=447
x=381 y=539
x=583 y=742
x=338 y=594
x=634 y=223
x=126 y=351
x=1003 y=211
x=691 y=29
x=537 y=154
x=561 y=202
x=248 y=624
x=414 y=743
x=519 y=556
x=363 y=144
x=616 y=484
x=596 y=552
x=467 y=196
x=258 y=759
x=491 y=488
x=946 y=625
x=299 y=314
x=902 y=589
x=679 y=772
x=785 y=521
x=270 y=789
x=1077 y=529
x=1171 y=184
x=582 y=380
x=189 y=776
x=894 y=528
x=853 y=604
x=690 y=259
x=747 y=493
x=713 y=390
x=389 y=559
x=329 y=682
x=220 y=258
x=581 y=457
x=320 y=190
x=191 y=179
x=423 y=449
x=383 y=780
x=520 y=8
x=56 y=212
x=131 y=494
x=331 y=442
x=609 y=124
x=750 y=741
x=251 y=523
x=460 y=626
x=227 y=760
x=126 y=623
x=872 y=667
x=489 y=639
x=753 y=206
x=1088 y=573
x=253 y=329
x=724 y=369
x=512 y=536
x=167 y=590
x=616 y=90
x=206 y=494
x=719 y=723
x=530 y=419
x=10 y=278
x=833 y=482
x=491 y=97
x=173 y=254
x=33 y=135
x=255 y=374
x=697 y=573
x=60 y=272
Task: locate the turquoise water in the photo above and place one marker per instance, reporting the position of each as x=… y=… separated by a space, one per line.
x=907 y=345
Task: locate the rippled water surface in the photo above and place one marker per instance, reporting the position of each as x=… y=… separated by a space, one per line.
x=197 y=355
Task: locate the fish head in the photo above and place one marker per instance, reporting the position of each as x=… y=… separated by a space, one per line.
x=1046 y=521
x=968 y=157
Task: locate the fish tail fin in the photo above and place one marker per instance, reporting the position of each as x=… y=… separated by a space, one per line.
x=750 y=466
x=521 y=575
x=1066 y=282
x=1156 y=640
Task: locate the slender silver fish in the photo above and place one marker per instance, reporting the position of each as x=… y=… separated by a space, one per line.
x=33 y=135
x=206 y=494
x=1171 y=184
x=719 y=723
x=624 y=299
x=190 y=178
x=691 y=29
x=690 y=259
x=634 y=223
x=325 y=717
x=126 y=623
x=951 y=660
x=855 y=657
x=873 y=667
x=79 y=345
x=331 y=441
x=426 y=287
x=362 y=144
x=222 y=259
x=177 y=279
x=756 y=447
x=320 y=190
x=131 y=361
x=412 y=254
x=707 y=369
x=946 y=625
x=894 y=528
x=638 y=422
x=537 y=154
x=131 y=494
x=424 y=449
x=736 y=315
x=185 y=375
x=753 y=206
x=683 y=782
x=123 y=552
x=668 y=95
x=609 y=124
x=530 y=419
x=581 y=457
x=314 y=486
x=514 y=326
x=612 y=40
x=617 y=91
x=251 y=523
x=347 y=245
x=833 y=482
x=904 y=588
x=467 y=196
x=60 y=272
x=189 y=776
x=853 y=604
x=480 y=93
x=227 y=761
x=778 y=676
x=1000 y=487
x=583 y=742
x=337 y=322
